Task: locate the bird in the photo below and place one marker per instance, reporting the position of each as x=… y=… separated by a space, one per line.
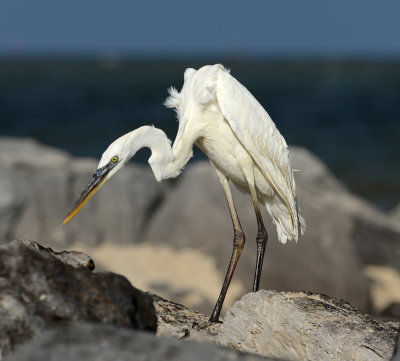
x=219 y=115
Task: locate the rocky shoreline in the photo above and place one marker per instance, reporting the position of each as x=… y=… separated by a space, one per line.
x=348 y=252
x=49 y=305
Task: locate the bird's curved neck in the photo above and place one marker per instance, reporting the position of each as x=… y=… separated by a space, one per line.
x=164 y=161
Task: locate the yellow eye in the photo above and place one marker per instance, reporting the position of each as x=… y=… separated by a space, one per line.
x=114 y=159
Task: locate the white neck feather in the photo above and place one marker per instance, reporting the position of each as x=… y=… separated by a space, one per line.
x=166 y=162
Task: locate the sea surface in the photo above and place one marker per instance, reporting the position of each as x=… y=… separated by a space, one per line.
x=346 y=112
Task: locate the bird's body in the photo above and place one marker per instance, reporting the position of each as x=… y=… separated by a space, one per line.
x=226 y=122
x=231 y=159
x=240 y=139
x=224 y=152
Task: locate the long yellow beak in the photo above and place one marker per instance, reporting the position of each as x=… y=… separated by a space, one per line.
x=97 y=181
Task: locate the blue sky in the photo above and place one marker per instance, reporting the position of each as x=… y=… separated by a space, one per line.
x=206 y=27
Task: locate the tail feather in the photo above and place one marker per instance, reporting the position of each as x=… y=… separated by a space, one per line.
x=286 y=227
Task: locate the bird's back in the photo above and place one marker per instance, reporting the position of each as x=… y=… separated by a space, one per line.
x=258 y=134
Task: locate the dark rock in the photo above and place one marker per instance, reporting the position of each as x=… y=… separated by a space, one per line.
x=395 y=213
x=38 y=291
x=73 y=258
x=367 y=235
x=396 y=356
x=178 y=321
x=391 y=312
x=108 y=343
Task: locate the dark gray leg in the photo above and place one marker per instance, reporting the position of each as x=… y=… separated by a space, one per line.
x=238 y=244
x=262 y=238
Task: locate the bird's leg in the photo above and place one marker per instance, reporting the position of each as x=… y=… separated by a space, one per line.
x=262 y=238
x=238 y=244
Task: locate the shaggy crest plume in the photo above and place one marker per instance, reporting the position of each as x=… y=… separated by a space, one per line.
x=174 y=99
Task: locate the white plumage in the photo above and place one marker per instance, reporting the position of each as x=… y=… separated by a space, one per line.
x=220 y=115
x=216 y=100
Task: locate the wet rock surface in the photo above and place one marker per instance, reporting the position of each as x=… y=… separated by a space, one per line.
x=38 y=291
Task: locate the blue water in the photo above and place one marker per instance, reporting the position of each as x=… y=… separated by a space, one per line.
x=346 y=112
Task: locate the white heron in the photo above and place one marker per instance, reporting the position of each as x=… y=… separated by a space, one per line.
x=226 y=122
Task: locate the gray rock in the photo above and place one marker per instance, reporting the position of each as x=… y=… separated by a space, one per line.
x=376 y=244
x=87 y=342
x=391 y=312
x=178 y=321
x=10 y=201
x=299 y=326
x=73 y=258
x=396 y=357
x=289 y=325
x=38 y=185
x=395 y=213
x=38 y=291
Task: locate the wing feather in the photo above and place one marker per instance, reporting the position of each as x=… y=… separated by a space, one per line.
x=259 y=136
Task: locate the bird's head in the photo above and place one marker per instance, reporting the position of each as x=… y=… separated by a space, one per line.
x=112 y=160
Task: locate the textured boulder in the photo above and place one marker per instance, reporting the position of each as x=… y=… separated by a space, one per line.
x=37 y=291
x=300 y=326
x=75 y=259
x=108 y=343
x=178 y=321
x=286 y=325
